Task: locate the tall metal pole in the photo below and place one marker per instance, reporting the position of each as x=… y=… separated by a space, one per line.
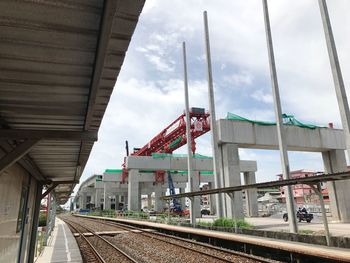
x=214 y=134
x=336 y=72
x=280 y=129
x=188 y=135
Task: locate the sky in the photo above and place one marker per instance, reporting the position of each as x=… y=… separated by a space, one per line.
x=149 y=95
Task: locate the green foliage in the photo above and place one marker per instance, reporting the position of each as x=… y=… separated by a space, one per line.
x=227 y=222
x=306 y=232
x=108 y=212
x=207 y=224
x=133 y=214
x=42 y=219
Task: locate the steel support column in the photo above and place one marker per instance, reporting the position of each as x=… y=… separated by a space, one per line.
x=35 y=222
x=21 y=253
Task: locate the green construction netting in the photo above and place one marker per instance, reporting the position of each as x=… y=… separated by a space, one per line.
x=164 y=155
x=287 y=120
x=113 y=171
x=175 y=142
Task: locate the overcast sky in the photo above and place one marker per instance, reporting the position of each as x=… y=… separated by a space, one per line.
x=149 y=91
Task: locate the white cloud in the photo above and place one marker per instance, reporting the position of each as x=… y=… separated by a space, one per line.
x=160 y=63
x=262 y=96
x=242 y=78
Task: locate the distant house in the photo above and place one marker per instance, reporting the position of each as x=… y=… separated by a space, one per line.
x=270 y=197
x=303 y=194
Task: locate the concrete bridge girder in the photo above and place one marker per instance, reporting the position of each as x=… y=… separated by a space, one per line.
x=137 y=163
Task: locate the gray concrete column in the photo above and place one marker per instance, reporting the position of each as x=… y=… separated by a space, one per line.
x=94 y=199
x=218 y=177
x=279 y=123
x=159 y=204
x=182 y=200
x=107 y=201
x=99 y=197
x=335 y=161
x=134 y=194
x=251 y=195
x=212 y=200
x=196 y=200
x=232 y=177
x=126 y=199
x=83 y=202
x=149 y=201
x=116 y=201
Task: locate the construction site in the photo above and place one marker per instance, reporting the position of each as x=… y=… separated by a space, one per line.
x=80 y=182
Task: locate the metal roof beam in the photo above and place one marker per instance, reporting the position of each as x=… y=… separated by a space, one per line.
x=48 y=190
x=18 y=134
x=66 y=182
x=25 y=162
x=17 y=153
x=110 y=8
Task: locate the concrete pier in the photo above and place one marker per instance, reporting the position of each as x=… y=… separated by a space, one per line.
x=134 y=194
x=251 y=195
x=335 y=161
x=231 y=173
x=329 y=142
x=230 y=161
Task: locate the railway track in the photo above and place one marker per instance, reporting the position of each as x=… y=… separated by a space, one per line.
x=88 y=250
x=212 y=253
x=97 y=248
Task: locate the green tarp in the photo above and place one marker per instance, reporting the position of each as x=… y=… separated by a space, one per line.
x=113 y=171
x=287 y=120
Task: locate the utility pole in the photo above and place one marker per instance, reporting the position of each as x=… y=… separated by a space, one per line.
x=214 y=134
x=188 y=135
x=280 y=129
x=336 y=72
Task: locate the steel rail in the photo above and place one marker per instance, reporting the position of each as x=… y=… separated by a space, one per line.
x=102 y=238
x=222 y=250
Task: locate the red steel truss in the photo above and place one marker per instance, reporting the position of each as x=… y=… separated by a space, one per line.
x=173 y=137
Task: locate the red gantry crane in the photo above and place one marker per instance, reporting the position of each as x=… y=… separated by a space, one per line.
x=173 y=137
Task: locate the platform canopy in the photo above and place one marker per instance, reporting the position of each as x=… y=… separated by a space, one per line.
x=59 y=62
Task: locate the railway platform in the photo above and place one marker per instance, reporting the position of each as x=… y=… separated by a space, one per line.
x=61 y=247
